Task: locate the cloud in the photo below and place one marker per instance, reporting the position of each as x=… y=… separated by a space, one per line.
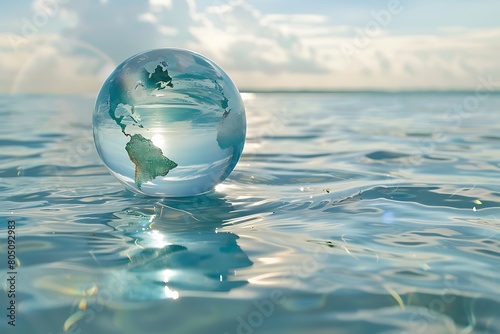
x=58 y=66
x=232 y=34
x=158 y=4
x=83 y=40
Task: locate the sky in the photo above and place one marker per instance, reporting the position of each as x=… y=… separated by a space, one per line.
x=71 y=46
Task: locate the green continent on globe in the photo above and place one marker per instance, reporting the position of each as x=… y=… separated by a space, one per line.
x=148 y=159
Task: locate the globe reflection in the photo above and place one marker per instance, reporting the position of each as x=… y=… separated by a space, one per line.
x=176 y=247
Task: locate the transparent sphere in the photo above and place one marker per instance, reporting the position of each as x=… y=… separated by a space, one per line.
x=170 y=123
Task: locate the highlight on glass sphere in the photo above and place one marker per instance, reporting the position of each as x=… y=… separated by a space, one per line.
x=169 y=123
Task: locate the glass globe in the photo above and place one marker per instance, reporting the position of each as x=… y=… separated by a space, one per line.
x=169 y=123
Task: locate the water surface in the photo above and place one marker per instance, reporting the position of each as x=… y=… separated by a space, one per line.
x=347 y=213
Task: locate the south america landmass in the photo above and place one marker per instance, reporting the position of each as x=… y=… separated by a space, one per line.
x=148 y=159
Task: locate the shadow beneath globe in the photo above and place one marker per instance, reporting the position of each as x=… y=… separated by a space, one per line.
x=175 y=247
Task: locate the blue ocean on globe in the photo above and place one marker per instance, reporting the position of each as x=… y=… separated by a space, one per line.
x=169 y=123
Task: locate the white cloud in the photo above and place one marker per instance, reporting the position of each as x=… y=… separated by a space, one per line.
x=148 y=17
x=158 y=4
x=295 y=18
x=52 y=64
x=249 y=38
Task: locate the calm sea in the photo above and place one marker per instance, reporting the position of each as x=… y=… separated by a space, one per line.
x=347 y=213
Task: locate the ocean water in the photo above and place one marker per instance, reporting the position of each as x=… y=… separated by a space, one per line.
x=347 y=213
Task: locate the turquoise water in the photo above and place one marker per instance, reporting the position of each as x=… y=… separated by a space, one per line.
x=347 y=213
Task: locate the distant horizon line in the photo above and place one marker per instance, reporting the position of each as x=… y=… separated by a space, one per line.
x=354 y=91
x=297 y=91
